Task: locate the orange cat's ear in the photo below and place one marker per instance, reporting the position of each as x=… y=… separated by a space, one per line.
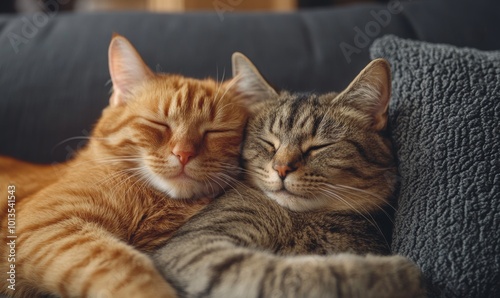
x=127 y=69
x=370 y=93
x=249 y=82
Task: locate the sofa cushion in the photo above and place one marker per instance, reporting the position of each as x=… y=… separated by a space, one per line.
x=445 y=121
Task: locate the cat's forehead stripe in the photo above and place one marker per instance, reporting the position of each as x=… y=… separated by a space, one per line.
x=303 y=120
x=293 y=112
x=301 y=115
x=166 y=109
x=316 y=123
x=189 y=97
x=191 y=94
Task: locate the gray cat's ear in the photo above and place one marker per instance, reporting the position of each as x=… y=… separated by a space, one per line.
x=248 y=82
x=127 y=69
x=369 y=93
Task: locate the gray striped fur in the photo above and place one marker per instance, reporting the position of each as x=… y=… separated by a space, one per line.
x=319 y=230
x=245 y=245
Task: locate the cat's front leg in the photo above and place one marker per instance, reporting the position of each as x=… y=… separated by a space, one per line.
x=219 y=269
x=347 y=275
x=72 y=258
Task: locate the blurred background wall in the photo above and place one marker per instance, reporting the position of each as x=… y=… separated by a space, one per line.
x=13 y=6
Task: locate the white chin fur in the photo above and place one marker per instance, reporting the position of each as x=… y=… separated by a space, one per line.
x=182 y=188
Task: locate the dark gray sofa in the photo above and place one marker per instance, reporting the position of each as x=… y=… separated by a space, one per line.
x=54 y=80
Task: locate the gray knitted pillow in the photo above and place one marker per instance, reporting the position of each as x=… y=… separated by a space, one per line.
x=445 y=119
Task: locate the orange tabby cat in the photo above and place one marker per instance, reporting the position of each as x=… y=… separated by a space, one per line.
x=164 y=147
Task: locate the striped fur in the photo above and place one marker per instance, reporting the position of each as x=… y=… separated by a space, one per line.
x=334 y=163
x=164 y=147
x=322 y=174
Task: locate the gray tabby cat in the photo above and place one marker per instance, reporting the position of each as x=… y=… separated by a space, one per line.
x=322 y=173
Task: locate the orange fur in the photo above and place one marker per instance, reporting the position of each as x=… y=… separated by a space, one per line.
x=163 y=149
x=33 y=176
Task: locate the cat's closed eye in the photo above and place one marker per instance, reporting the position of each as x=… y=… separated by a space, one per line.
x=316 y=148
x=159 y=123
x=268 y=145
x=213 y=134
x=217 y=131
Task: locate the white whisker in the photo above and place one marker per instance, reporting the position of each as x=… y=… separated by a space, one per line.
x=379 y=198
x=214 y=180
x=331 y=191
x=219 y=84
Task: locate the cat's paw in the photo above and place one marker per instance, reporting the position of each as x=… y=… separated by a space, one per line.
x=383 y=276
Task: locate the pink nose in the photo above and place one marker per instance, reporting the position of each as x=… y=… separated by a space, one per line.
x=184 y=156
x=283 y=170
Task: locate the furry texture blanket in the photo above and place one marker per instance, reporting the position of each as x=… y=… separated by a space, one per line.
x=445 y=118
